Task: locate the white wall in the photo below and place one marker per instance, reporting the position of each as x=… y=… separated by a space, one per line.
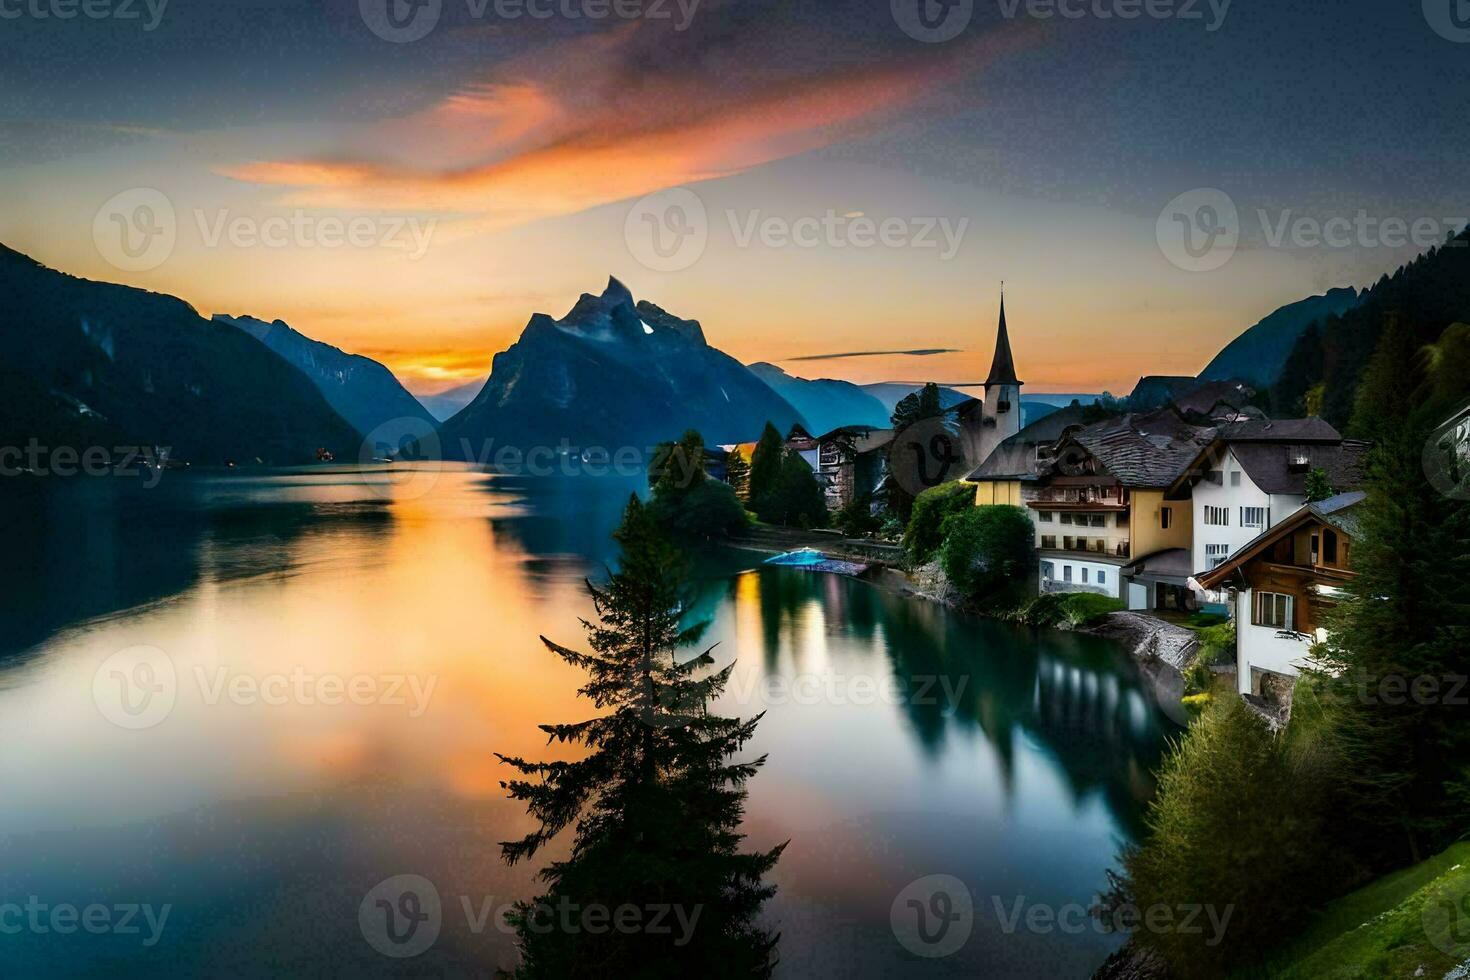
x=1112 y=577
x=1262 y=647
x=1233 y=498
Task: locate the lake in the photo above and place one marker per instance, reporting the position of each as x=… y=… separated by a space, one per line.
x=232 y=705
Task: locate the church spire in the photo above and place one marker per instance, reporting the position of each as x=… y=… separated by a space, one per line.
x=1003 y=368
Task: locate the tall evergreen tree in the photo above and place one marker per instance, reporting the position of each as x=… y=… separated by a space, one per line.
x=1400 y=645
x=765 y=462
x=915 y=407
x=737 y=473
x=657 y=803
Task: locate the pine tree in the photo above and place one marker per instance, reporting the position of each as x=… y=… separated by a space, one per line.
x=1408 y=622
x=765 y=463
x=737 y=474
x=656 y=802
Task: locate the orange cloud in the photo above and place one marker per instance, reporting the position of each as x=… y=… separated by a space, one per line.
x=543 y=146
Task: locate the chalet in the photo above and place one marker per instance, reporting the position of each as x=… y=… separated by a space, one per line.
x=1097 y=497
x=852 y=461
x=1252 y=476
x=1282 y=582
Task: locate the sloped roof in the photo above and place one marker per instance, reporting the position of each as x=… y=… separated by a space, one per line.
x=1015 y=458
x=1203 y=399
x=1337 y=511
x=1269 y=464
x=1150 y=450
x=1003 y=368
x=1280 y=430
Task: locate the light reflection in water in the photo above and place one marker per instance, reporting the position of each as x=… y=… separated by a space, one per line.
x=1016 y=760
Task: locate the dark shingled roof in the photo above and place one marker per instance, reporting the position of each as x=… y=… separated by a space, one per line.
x=1280 y=430
x=1208 y=396
x=1149 y=450
x=1268 y=463
x=1015 y=458
x=1003 y=368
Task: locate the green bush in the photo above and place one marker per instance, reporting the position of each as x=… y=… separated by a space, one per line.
x=710 y=509
x=1068 y=609
x=857 y=520
x=986 y=548
x=925 y=531
x=795 y=497
x=1238 y=826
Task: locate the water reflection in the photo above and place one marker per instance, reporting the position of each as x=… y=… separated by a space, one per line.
x=265 y=825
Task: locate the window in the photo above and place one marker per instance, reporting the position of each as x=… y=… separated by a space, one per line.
x=1273 y=609
x=1216 y=477
x=1166 y=516
x=1098 y=520
x=1084 y=576
x=1102 y=577
x=1066 y=573
x=1215 y=555
x=1048 y=540
x=1045 y=516
x=1218 y=516
x=1253 y=517
x=1066 y=518
x=1047 y=572
x=1329 y=546
x=1122 y=520
x=1235 y=478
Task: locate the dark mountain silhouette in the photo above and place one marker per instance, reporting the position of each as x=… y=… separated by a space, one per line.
x=825 y=403
x=361 y=390
x=447 y=404
x=1258 y=355
x=1428 y=294
x=612 y=373
x=90 y=363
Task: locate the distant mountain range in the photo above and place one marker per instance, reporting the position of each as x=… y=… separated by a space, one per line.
x=447 y=404
x=1258 y=354
x=612 y=373
x=361 y=390
x=86 y=363
x=824 y=403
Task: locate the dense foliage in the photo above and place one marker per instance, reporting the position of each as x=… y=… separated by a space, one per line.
x=1237 y=831
x=686 y=503
x=1427 y=295
x=857 y=520
x=986 y=549
x=924 y=533
x=656 y=801
x=737 y=473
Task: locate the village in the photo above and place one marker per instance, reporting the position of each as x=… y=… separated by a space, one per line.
x=1187 y=504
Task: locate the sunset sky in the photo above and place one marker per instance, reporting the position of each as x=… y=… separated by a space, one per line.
x=518 y=147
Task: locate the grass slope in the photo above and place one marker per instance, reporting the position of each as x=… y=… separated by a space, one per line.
x=1416 y=918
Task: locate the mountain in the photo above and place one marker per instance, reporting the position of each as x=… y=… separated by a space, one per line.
x=890 y=393
x=449 y=403
x=825 y=403
x=1258 y=354
x=1427 y=295
x=361 y=390
x=95 y=364
x=612 y=373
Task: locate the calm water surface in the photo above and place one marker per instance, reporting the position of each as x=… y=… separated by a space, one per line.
x=903 y=740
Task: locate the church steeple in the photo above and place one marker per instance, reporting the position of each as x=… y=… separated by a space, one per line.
x=1003 y=368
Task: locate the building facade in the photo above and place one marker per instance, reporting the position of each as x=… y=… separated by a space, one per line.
x=1281 y=584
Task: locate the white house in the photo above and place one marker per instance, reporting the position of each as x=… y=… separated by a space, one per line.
x=1252 y=477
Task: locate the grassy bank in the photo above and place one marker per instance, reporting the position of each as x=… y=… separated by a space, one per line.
x=1412 y=923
